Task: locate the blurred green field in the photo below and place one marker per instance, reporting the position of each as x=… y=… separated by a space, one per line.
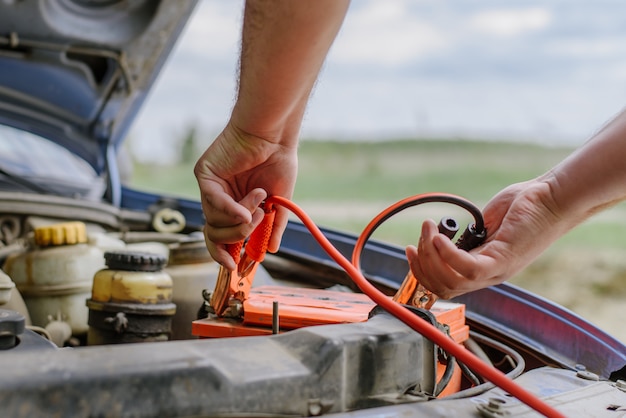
x=392 y=170
x=359 y=176
x=344 y=185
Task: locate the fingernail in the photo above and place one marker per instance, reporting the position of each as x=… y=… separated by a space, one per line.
x=259 y=198
x=257 y=216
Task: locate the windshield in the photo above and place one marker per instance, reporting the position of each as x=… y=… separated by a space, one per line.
x=30 y=163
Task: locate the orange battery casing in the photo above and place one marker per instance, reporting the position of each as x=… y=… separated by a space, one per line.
x=303 y=307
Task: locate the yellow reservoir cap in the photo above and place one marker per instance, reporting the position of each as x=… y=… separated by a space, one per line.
x=66 y=233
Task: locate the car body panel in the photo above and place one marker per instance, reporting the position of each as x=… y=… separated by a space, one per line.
x=76 y=72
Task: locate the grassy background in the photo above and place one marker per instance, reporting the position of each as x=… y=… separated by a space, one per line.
x=345 y=184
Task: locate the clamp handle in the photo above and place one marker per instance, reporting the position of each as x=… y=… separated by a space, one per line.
x=236 y=284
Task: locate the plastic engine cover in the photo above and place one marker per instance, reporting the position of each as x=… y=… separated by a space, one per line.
x=310 y=371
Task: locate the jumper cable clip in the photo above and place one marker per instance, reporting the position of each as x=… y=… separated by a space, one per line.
x=411 y=291
x=232 y=288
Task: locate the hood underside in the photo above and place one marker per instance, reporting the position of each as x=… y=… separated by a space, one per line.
x=77 y=71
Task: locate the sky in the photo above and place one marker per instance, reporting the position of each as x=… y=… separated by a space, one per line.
x=551 y=72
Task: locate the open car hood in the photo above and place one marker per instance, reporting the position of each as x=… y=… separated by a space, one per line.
x=77 y=71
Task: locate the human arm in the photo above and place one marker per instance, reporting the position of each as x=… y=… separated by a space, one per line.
x=284 y=44
x=526 y=218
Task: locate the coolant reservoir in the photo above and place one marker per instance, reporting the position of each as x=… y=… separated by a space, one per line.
x=54 y=277
x=131 y=300
x=192 y=270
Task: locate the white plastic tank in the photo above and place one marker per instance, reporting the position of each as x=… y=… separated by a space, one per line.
x=55 y=275
x=192 y=270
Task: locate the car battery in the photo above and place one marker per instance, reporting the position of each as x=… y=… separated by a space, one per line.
x=303 y=307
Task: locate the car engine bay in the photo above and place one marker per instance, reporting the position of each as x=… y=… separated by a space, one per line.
x=107 y=299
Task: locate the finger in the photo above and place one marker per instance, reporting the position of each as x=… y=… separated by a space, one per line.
x=280 y=224
x=217 y=218
x=217 y=239
x=223 y=228
x=429 y=231
x=421 y=256
x=462 y=262
x=473 y=270
x=224 y=212
x=221 y=209
x=429 y=266
x=234 y=233
x=253 y=199
x=412 y=255
x=219 y=253
x=436 y=276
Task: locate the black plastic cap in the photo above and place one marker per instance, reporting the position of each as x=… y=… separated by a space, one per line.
x=134 y=261
x=471 y=238
x=448 y=226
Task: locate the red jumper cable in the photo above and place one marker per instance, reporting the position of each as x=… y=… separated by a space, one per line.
x=426 y=329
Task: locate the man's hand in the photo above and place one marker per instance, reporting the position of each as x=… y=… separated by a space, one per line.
x=521 y=222
x=235 y=174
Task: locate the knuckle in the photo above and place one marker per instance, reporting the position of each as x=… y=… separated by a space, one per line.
x=472 y=274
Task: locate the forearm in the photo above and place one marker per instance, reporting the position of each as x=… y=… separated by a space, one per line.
x=284 y=44
x=593 y=177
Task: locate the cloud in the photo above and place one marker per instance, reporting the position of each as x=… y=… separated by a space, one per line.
x=588 y=48
x=510 y=22
x=532 y=68
x=385 y=34
x=214 y=30
x=197 y=85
